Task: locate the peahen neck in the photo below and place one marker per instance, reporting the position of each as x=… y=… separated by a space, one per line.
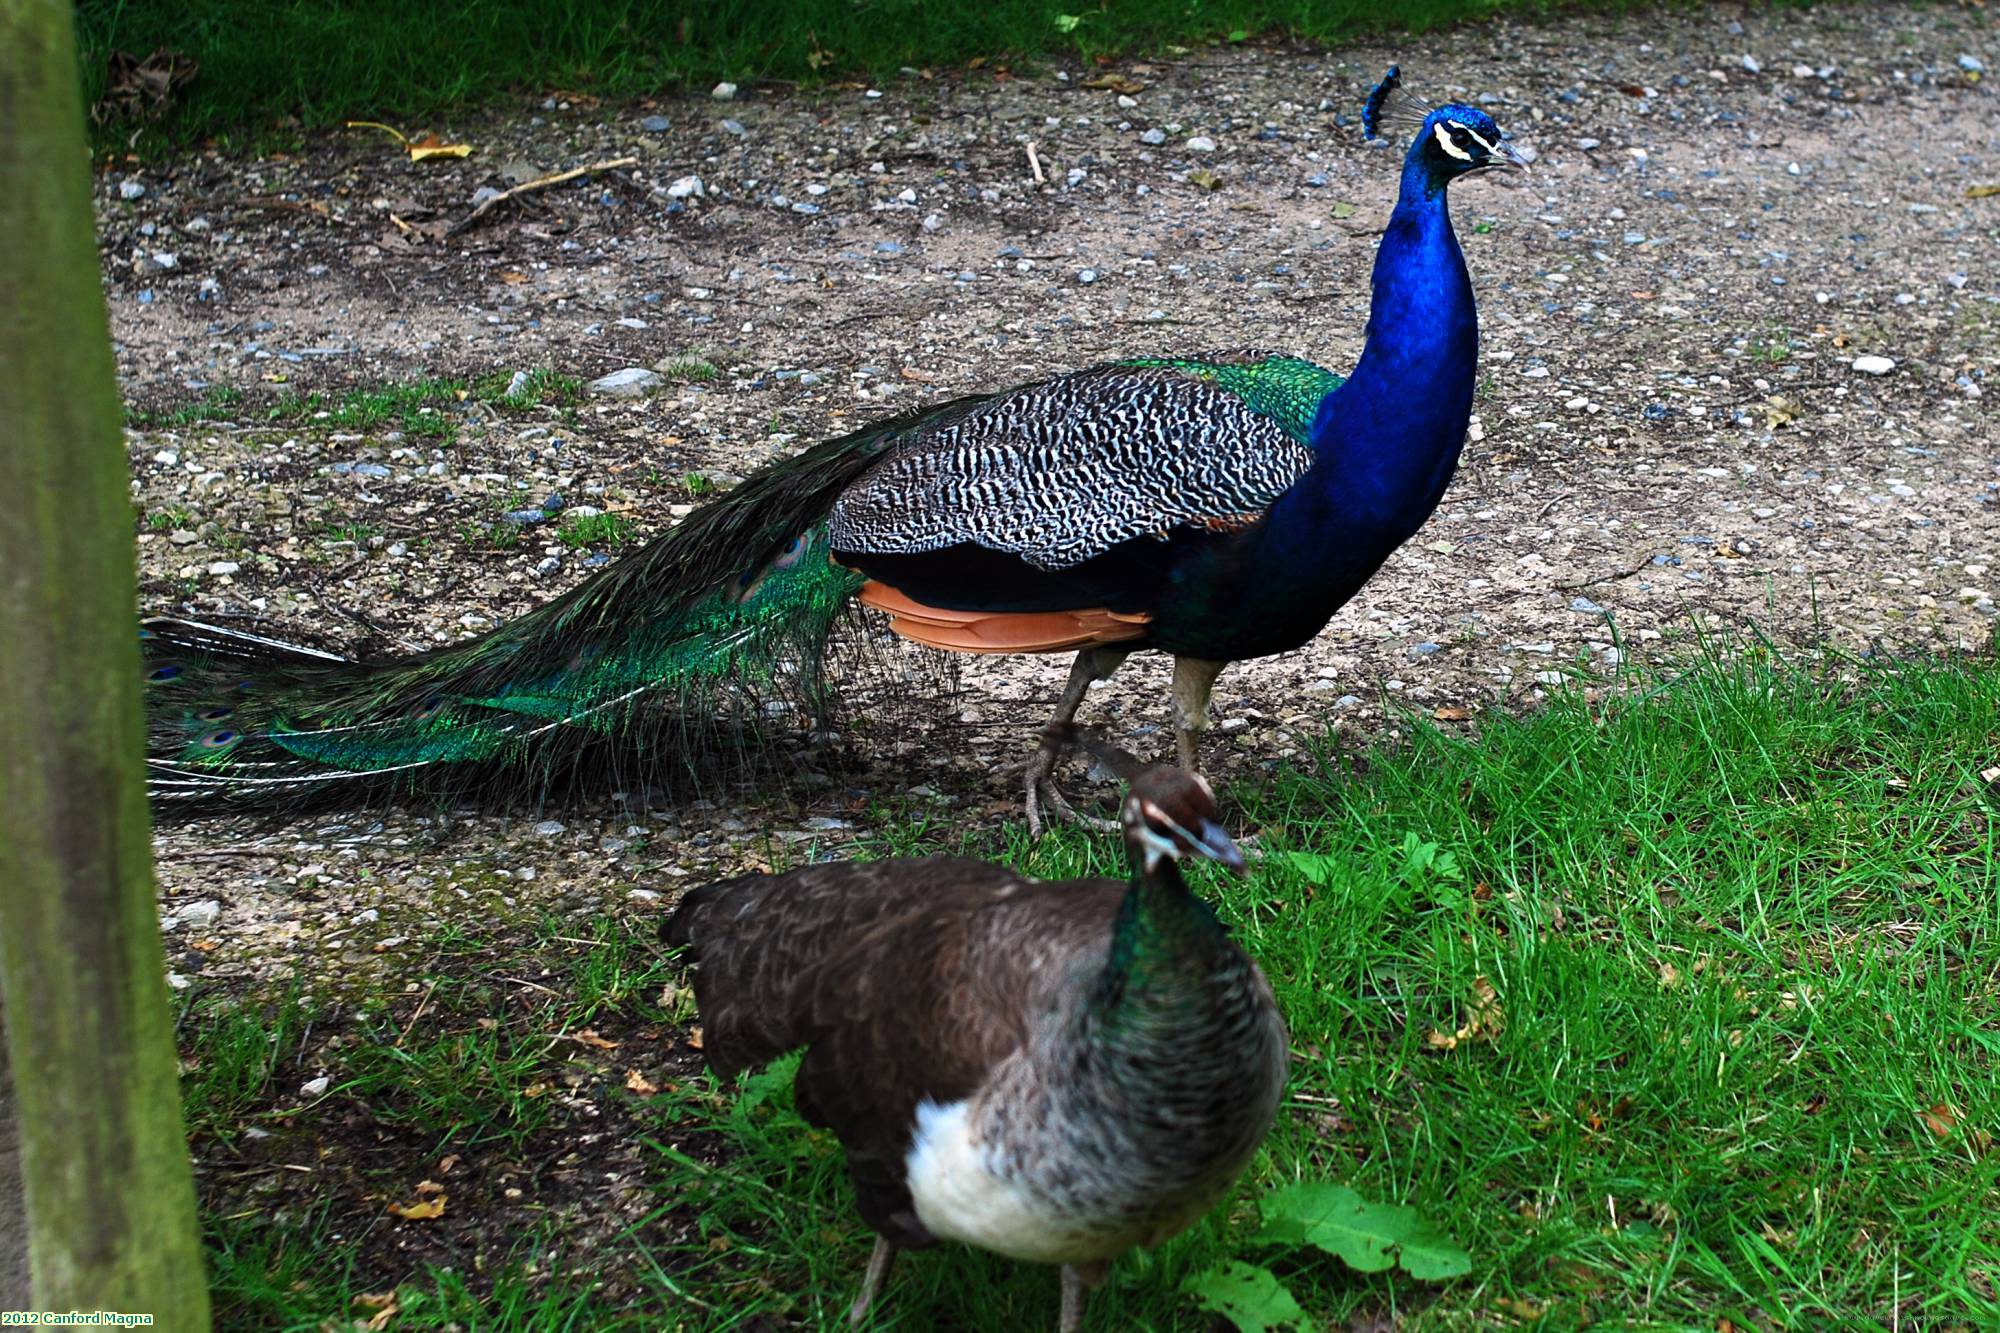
x=1161 y=971
x=1389 y=438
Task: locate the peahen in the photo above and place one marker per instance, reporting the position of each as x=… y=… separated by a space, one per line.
x=1057 y=1072
x=1214 y=507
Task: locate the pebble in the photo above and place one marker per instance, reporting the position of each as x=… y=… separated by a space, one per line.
x=656 y=124
x=131 y=190
x=631 y=382
x=1586 y=606
x=1972 y=64
x=687 y=187
x=1874 y=365
x=548 y=828
x=1201 y=143
x=1087 y=276
x=518 y=385
x=201 y=915
x=315 y=1087
x=1750 y=63
x=1587 y=144
x=1154 y=136
x=723 y=92
x=222 y=567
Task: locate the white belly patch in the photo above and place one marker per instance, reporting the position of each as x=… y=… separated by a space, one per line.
x=959 y=1195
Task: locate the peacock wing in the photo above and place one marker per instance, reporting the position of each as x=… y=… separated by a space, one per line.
x=1058 y=472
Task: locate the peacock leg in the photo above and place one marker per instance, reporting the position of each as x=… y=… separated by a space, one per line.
x=1078 y=1281
x=871 y=1285
x=1193 y=679
x=1092 y=664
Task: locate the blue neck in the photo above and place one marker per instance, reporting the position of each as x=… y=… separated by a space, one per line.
x=1389 y=438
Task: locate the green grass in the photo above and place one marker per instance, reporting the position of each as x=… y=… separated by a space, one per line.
x=1730 y=939
x=265 y=60
x=608 y=530
x=419 y=408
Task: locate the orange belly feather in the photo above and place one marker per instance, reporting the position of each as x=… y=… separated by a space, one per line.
x=1000 y=631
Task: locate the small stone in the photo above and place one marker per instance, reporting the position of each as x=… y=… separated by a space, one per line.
x=182 y=537
x=1972 y=64
x=484 y=194
x=315 y=1087
x=548 y=828
x=687 y=187
x=1750 y=64
x=131 y=190
x=656 y=124
x=222 y=567
x=723 y=92
x=631 y=382
x=518 y=385
x=643 y=895
x=1586 y=606
x=1087 y=276
x=1587 y=144
x=1802 y=71
x=1154 y=137
x=166 y=259
x=1201 y=143
x=1874 y=365
x=201 y=915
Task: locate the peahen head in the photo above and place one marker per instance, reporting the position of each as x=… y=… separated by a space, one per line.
x=1447 y=142
x=1170 y=813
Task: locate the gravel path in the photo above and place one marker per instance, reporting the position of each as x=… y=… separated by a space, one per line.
x=1733 y=225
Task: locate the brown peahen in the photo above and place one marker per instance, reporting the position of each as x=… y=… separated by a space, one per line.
x=1057 y=1072
x=1213 y=507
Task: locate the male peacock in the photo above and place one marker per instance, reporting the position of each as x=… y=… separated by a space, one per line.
x=1053 y=1071
x=1213 y=507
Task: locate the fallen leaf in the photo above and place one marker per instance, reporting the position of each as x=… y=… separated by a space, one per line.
x=1941 y=1120
x=1779 y=411
x=1670 y=976
x=383 y=1304
x=589 y=1037
x=920 y=376
x=639 y=1083
x=1115 y=83
x=1981 y=191
x=1488 y=1020
x=431 y=146
x=1343 y=209
x=1205 y=178
x=419 y=1212
x=694 y=1038
x=1452 y=713
x=1521 y=1308
x=426 y=1188
x=446 y=1164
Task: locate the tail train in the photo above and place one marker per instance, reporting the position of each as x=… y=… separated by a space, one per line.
x=671 y=655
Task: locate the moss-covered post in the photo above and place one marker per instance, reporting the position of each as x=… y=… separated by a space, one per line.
x=103 y=1159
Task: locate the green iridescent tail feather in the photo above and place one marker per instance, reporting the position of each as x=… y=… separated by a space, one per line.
x=655 y=669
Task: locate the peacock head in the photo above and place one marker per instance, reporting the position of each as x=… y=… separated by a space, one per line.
x=1448 y=142
x=1170 y=813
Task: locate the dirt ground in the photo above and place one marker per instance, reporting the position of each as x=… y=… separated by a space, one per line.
x=1726 y=210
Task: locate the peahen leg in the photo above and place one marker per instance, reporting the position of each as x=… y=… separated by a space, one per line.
x=871 y=1285
x=1193 y=679
x=1078 y=1281
x=1092 y=664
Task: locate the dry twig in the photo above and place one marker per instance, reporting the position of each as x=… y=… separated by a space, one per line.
x=541 y=183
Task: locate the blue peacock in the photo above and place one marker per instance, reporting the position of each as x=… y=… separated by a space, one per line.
x=1214 y=507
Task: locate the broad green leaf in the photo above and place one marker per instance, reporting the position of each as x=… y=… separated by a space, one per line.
x=1247 y=1295
x=1315 y=867
x=1366 y=1236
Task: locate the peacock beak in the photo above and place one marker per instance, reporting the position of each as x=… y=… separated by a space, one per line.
x=1507 y=155
x=1217 y=846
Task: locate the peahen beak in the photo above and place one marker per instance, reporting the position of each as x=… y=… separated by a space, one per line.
x=1217 y=846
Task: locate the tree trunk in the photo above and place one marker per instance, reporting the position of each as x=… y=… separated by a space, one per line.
x=103 y=1158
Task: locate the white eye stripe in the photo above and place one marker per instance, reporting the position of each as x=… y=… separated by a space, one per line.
x=1477 y=137
x=1444 y=142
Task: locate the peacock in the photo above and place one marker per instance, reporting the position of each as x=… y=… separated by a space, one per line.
x=1054 y=1071
x=1214 y=507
